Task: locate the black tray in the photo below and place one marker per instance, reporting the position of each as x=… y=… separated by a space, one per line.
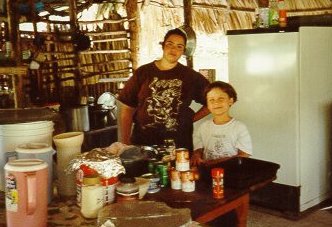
x=242 y=172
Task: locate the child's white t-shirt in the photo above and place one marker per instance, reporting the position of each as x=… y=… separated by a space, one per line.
x=223 y=140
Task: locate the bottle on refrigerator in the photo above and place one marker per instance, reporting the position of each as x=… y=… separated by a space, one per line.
x=282 y=13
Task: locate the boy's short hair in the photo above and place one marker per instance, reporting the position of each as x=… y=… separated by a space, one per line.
x=175 y=31
x=225 y=87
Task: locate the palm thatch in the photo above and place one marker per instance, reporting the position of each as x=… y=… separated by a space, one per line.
x=109 y=59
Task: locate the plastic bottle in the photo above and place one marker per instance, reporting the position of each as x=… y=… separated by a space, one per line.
x=282 y=13
x=217 y=175
x=273 y=13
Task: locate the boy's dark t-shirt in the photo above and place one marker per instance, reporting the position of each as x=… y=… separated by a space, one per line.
x=162 y=100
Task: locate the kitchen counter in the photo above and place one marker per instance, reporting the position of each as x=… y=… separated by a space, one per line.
x=13 y=116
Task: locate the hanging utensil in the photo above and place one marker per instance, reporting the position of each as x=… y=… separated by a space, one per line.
x=191 y=40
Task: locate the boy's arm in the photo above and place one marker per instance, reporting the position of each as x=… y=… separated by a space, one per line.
x=197 y=157
x=202 y=112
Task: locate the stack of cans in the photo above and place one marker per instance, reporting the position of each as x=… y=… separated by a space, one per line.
x=182 y=177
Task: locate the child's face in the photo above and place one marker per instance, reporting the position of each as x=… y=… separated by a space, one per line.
x=218 y=102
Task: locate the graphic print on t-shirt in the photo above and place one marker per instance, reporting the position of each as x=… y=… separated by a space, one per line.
x=164 y=103
x=218 y=147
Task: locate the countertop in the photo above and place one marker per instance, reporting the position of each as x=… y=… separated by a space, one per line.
x=13 y=116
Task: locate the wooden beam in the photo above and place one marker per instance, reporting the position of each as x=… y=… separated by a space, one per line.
x=134 y=27
x=187 y=7
x=79 y=92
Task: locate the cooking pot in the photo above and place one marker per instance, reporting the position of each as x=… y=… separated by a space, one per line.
x=101 y=117
x=191 y=40
x=135 y=160
x=77 y=118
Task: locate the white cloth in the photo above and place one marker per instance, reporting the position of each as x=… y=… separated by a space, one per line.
x=224 y=140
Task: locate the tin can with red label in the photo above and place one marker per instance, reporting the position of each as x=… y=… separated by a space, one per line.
x=217 y=182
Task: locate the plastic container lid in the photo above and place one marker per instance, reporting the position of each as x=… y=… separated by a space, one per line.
x=33 y=148
x=24 y=165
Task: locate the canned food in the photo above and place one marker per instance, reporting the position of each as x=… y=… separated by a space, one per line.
x=182 y=159
x=154 y=185
x=162 y=170
x=217 y=182
x=187 y=181
x=175 y=179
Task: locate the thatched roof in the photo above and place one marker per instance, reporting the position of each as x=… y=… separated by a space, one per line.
x=115 y=62
x=210 y=16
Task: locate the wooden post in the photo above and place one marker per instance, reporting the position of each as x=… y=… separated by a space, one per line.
x=13 y=28
x=74 y=28
x=187 y=8
x=134 y=25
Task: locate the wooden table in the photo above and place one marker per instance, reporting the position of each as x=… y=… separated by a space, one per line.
x=203 y=206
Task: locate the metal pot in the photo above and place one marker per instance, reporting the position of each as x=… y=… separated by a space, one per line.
x=191 y=40
x=101 y=117
x=77 y=118
x=135 y=161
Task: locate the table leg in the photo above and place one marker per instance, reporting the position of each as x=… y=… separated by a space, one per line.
x=240 y=205
x=242 y=211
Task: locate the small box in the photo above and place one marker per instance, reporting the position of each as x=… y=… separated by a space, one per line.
x=240 y=172
x=209 y=74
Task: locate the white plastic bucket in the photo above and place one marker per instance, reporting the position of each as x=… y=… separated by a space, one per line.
x=12 y=135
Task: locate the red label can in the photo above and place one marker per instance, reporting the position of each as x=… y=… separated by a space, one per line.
x=217 y=182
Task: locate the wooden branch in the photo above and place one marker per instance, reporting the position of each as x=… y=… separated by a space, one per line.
x=106 y=21
x=107 y=33
x=109 y=40
x=112 y=80
x=17 y=70
x=105 y=51
x=106 y=63
x=89 y=74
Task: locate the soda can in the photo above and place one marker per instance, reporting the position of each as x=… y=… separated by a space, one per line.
x=164 y=181
x=162 y=170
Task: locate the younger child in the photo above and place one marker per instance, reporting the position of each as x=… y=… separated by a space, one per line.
x=223 y=136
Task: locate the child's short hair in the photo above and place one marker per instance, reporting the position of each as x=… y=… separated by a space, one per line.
x=225 y=87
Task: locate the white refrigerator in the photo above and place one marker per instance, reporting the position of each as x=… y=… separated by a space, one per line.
x=284 y=85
